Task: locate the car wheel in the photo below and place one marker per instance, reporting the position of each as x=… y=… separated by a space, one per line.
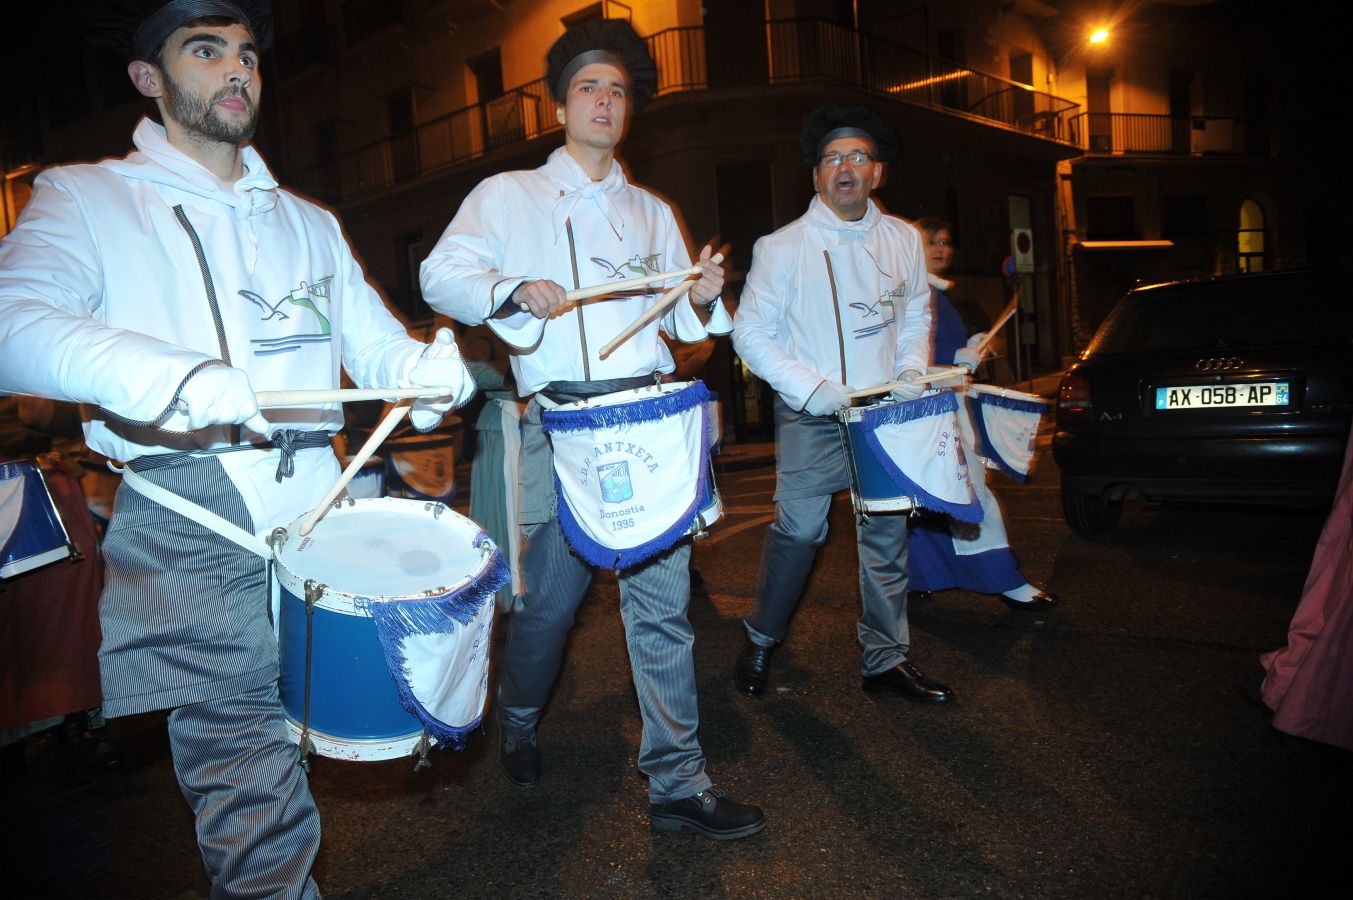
x=1090 y=513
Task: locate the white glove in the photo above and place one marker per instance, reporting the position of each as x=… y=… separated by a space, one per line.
x=908 y=391
x=439 y=366
x=217 y=395
x=827 y=398
x=968 y=356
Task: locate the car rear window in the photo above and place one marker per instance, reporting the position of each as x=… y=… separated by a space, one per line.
x=1243 y=312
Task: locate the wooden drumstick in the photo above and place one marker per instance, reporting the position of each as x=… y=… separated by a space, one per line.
x=654 y=311
x=273 y=399
x=1005 y=317
x=378 y=434
x=613 y=287
x=936 y=375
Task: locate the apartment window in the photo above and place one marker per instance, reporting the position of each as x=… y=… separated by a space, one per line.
x=487 y=70
x=1111 y=219
x=1097 y=109
x=326 y=140
x=1250 y=237
x=410 y=250
x=1022 y=70
x=400 y=119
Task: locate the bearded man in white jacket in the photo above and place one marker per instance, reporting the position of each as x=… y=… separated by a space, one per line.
x=836 y=298
x=159 y=291
x=518 y=238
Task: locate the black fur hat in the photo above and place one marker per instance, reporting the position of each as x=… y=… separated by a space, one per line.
x=602 y=40
x=138 y=28
x=829 y=122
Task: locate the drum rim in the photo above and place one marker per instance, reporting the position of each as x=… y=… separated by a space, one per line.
x=334 y=599
x=646 y=392
x=363 y=749
x=1008 y=393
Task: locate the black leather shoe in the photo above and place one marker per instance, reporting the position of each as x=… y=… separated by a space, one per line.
x=1041 y=600
x=906 y=679
x=519 y=759
x=752 y=670
x=709 y=812
x=920 y=596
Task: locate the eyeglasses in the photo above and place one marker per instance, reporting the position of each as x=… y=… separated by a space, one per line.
x=834 y=160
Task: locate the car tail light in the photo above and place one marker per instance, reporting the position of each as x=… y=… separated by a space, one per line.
x=1074 y=409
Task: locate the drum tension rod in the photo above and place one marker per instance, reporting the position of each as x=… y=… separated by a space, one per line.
x=313 y=591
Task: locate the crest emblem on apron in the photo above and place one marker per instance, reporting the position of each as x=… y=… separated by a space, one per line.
x=614 y=479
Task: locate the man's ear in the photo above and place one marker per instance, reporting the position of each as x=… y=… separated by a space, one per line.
x=146 y=78
x=879 y=171
x=559 y=113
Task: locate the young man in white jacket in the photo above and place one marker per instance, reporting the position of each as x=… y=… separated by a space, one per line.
x=159 y=291
x=517 y=241
x=836 y=298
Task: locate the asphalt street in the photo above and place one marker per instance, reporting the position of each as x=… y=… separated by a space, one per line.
x=1111 y=746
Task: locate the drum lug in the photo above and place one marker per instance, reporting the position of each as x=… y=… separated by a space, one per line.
x=421 y=748
x=276 y=540
x=306 y=750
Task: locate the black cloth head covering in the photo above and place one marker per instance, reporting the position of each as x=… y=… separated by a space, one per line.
x=138 y=28
x=829 y=122
x=610 y=41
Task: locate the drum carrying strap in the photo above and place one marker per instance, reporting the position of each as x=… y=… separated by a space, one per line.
x=235 y=534
x=189 y=510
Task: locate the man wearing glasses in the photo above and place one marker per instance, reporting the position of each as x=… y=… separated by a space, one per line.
x=836 y=298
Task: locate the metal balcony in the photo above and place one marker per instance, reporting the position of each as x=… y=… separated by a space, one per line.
x=1108 y=134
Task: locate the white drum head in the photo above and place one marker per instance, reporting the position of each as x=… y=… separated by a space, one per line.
x=382 y=549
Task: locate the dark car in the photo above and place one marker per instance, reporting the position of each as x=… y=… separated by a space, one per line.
x=1224 y=389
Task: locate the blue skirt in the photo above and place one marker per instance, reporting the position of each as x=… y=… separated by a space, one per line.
x=934 y=566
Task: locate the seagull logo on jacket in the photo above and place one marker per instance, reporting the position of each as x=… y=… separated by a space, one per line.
x=882 y=311
x=303 y=297
x=633 y=267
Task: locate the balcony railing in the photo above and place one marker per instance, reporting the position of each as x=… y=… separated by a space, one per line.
x=811 y=49
x=1141 y=133
x=797 y=49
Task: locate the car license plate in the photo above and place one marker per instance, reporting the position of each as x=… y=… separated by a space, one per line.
x=1224 y=396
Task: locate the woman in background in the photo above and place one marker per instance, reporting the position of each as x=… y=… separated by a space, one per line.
x=945 y=553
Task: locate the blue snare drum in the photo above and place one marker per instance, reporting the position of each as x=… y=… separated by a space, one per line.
x=1006 y=423
x=32 y=534
x=872 y=488
x=906 y=454
x=366 y=561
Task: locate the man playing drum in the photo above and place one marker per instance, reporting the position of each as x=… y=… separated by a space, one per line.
x=836 y=298
x=516 y=241
x=158 y=291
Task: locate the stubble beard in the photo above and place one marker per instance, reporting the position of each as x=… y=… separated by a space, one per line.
x=199 y=116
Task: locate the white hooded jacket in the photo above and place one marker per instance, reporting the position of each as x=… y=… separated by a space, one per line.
x=556 y=223
x=832 y=300
x=124 y=277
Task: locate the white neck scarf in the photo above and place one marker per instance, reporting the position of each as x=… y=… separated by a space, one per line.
x=580 y=189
